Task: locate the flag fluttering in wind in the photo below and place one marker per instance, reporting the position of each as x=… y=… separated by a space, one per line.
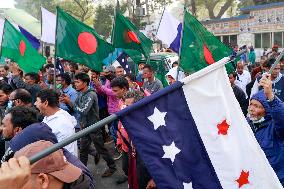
x=122 y=59
x=182 y=150
x=77 y=42
x=169 y=31
x=17 y=48
x=48 y=26
x=127 y=36
x=199 y=47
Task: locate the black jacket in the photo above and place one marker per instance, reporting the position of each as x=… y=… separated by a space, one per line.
x=241 y=98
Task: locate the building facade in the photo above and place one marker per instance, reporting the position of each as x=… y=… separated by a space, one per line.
x=261 y=26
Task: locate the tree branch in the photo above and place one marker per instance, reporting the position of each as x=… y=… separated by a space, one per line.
x=210 y=7
x=224 y=8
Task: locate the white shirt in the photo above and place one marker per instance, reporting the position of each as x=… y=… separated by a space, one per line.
x=243 y=80
x=63 y=126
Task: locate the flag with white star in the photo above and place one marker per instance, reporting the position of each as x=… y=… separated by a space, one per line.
x=122 y=59
x=59 y=66
x=193 y=134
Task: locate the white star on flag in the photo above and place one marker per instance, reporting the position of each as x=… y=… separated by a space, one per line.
x=158 y=118
x=171 y=151
x=122 y=60
x=187 y=185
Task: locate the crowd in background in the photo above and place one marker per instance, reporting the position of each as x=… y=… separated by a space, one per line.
x=40 y=109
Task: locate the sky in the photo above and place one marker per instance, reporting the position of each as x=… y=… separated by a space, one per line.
x=7 y=3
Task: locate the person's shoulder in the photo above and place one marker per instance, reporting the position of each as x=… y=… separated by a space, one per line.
x=158 y=81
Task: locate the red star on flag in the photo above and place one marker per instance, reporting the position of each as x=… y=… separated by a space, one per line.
x=243 y=179
x=223 y=128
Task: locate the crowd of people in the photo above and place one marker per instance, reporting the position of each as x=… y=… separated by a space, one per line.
x=40 y=109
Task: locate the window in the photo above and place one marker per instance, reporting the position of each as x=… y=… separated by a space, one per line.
x=266 y=41
x=278 y=39
x=226 y=39
x=226 y=24
x=233 y=40
x=257 y=40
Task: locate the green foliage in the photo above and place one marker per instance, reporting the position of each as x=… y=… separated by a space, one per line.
x=81 y=9
x=33 y=6
x=103 y=20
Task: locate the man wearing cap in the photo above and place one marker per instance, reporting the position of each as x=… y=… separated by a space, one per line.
x=33 y=133
x=52 y=171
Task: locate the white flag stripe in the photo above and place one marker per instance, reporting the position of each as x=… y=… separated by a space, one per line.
x=167 y=30
x=2 y=21
x=48 y=26
x=211 y=100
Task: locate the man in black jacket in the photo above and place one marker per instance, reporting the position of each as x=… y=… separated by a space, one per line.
x=239 y=93
x=30 y=83
x=86 y=105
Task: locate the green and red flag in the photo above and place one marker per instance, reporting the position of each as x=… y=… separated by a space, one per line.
x=77 y=42
x=199 y=47
x=127 y=36
x=17 y=48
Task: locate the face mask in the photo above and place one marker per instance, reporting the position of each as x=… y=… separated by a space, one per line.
x=256 y=120
x=58 y=86
x=10 y=104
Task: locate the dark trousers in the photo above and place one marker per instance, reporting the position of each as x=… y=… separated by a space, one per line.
x=103 y=114
x=125 y=162
x=142 y=173
x=86 y=149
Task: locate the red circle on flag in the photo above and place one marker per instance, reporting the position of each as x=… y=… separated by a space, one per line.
x=132 y=35
x=87 y=42
x=22 y=48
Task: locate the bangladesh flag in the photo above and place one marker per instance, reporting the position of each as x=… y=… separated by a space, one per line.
x=77 y=42
x=17 y=48
x=127 y=36
x=200 y=48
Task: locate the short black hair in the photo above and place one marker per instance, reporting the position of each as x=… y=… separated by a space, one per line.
x=23 y=95
x=131 y=77
x=49 y=95
x=83 y=77
x=268 y=63
x=34 y=76
x=6 y=67
x=66 y=77
x=48 y=66
x=120 y=82
x=23 y=116
x=6 y=88
x=175 y=62
x=149 y=67
x=74 y=65
x=119 y=67
x=234 y=74
x=95 y=71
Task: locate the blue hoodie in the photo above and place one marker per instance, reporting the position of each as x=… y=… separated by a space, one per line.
x=270 y=132
x=41 y=131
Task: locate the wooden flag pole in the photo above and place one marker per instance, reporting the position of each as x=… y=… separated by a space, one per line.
x=55 y=52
